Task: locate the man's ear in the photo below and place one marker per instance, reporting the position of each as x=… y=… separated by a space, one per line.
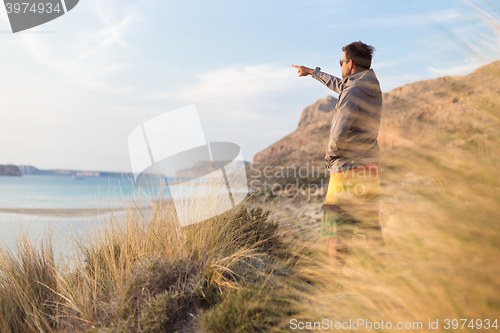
x=352 y=65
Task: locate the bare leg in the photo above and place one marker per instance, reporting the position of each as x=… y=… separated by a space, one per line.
x=337 y=252
x=376 y=246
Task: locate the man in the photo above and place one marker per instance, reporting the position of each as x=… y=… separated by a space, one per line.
x=352 y=155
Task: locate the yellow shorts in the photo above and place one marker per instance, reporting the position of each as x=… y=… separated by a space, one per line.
x=352 y=200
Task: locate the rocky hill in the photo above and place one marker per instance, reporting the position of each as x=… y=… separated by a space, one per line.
x=464 y=109
x=307 y=143
x=9 y=170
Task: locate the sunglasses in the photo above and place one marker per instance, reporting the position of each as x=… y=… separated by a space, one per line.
x=341 y=61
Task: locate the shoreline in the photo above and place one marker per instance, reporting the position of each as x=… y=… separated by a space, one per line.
x=79 y=212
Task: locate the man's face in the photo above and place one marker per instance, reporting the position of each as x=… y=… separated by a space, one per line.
x=345 y=66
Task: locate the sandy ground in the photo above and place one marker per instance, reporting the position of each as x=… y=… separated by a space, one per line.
x=303 y=214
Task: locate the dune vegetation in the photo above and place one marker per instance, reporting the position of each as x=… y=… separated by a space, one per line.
x=244 y=272
x=234 y=272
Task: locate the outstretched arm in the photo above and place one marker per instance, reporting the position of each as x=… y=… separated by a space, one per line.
x=332 y=82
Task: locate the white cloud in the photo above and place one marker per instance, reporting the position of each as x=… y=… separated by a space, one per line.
x=115 y=25
x=242 y=87
x=94 y=53
x=51 y=120
x=387 y=83
x=466 y=67
x=252 y=106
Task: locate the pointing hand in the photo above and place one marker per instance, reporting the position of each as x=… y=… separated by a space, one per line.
x=303 y=70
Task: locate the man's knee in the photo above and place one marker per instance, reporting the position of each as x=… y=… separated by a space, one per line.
x=345 y=231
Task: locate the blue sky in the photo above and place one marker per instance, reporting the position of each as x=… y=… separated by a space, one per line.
x=73 y=89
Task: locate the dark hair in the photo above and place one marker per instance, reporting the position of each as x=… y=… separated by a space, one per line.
x=360 y=54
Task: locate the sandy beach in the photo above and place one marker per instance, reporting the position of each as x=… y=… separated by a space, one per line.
x=75 y=212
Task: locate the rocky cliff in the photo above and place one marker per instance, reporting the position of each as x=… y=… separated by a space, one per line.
x=307 y=143
x=9 y=170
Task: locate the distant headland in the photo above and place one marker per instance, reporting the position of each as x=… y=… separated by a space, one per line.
x=13 y=170
x=9 y=170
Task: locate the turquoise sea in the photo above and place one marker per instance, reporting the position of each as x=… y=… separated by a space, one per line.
x=56 y=196
x=49 y=191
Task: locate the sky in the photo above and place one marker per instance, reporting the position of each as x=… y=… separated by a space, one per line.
x=73 y=89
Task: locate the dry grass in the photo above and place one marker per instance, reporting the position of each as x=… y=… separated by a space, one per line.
x=147 y=274
x=240 y=272
x=27 y=280
x=440 y=211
